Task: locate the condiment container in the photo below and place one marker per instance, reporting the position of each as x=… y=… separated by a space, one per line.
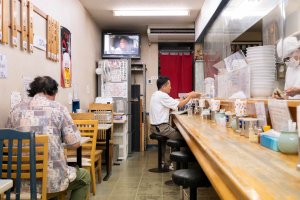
x=229 y=116
x=288 y=142
x=248 y=123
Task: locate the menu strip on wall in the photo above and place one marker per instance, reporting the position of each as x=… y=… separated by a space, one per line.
x=13 y=21
x=5 y=9
x=52 y=39
x=30 y=26
x=23 y=25
x=57 y=40
x=48 y=37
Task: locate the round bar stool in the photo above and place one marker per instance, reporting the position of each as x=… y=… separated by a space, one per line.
x=191 y=178
x=179 y=157
x=161 y=141
x=183 y=157
x=176 y=145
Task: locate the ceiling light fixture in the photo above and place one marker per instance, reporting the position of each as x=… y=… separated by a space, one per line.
x=151 y=13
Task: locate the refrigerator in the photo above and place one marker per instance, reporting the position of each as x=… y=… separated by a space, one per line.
x=114 y=80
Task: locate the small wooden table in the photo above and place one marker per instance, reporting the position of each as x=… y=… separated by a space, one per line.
x=107 y=128
x=5 y=184
x=79 y=150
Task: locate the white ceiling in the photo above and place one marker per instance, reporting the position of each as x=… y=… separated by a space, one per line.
x=101 y=11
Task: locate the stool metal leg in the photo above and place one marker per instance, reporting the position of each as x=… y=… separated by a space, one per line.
x=159 y=168
x=185 y=165
x=193 y=193
x=178 y=165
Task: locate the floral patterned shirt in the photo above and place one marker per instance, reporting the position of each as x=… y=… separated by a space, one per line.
x=46 y=117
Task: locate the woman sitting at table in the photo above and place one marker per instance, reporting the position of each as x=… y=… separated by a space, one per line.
x=43 y=115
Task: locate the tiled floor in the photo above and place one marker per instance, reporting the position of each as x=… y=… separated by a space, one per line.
x=132 y=181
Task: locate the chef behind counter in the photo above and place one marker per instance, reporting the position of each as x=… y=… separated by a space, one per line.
x=290 y=51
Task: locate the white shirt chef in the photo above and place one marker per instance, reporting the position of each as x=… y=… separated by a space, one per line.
x=292 y=79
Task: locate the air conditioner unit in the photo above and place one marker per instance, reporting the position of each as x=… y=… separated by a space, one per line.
x=171 y=33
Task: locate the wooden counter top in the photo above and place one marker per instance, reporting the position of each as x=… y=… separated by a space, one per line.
x=236 y=167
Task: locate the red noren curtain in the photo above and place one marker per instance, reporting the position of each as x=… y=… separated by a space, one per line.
x=179 y=69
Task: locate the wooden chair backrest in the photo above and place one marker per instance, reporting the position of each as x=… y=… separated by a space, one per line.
x=88 y=128
x=17 y=162
x=104 y=114
x=82 y=116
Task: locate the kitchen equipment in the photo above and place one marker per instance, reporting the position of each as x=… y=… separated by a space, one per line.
x=261 y=60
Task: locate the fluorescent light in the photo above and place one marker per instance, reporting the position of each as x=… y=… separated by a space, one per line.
x=151 y=13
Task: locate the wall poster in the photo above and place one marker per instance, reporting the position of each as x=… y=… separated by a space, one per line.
x=66 y=62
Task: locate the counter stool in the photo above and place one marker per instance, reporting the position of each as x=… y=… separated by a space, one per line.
x=183 y=157
x=161 y=141
x=176 y=145
x=191 y=178
x=179 y=157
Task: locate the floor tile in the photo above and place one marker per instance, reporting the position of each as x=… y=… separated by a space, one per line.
x=131 y=180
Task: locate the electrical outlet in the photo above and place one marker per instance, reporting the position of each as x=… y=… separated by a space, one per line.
x=149 y=81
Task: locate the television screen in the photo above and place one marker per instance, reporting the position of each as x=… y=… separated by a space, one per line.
x=121 y=45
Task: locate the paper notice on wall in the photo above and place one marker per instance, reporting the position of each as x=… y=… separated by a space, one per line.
x=15 y=98
x=3 y=66
x=115 y=90
x=26 y=83
x=261 y=113
x=279 y=113
x=39 y=42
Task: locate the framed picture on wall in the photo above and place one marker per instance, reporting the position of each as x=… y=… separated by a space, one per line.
x=66 y=61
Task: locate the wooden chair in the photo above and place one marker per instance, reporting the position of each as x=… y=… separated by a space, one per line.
x=98 y=153
x=88 y=128
x=82 y=116
x=104 y=114
x=16 y=150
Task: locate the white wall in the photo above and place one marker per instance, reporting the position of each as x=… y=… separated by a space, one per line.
x=149 y=56
x=85 y=46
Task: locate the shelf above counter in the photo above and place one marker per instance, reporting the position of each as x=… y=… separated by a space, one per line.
x=291 y=103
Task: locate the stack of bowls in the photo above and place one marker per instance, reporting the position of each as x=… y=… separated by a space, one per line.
x=261 y=60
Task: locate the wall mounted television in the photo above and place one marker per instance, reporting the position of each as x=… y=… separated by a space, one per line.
x=121 y=45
